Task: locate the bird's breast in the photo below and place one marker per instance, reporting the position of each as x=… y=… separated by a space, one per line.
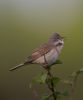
x=48 y=58
x=52 y=56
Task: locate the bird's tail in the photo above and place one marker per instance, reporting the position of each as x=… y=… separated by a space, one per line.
x=28 y=61
x=16 y=67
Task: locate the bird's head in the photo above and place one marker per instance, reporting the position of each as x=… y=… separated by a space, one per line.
x=56 y=39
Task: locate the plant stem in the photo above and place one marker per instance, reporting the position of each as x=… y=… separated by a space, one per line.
x=73 y=86
x=51 y=84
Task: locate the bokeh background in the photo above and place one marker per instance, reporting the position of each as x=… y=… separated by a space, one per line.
x=24 y=25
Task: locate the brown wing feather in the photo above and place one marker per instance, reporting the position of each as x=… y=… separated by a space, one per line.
x=45 y=48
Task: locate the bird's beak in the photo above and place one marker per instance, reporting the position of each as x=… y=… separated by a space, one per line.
x=63 y=37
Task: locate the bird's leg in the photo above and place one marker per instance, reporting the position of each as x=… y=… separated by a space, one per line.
x=45 y=63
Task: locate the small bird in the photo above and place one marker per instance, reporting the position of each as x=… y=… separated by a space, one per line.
x=47 y=54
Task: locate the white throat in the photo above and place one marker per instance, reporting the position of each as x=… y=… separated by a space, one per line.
x=59 y=47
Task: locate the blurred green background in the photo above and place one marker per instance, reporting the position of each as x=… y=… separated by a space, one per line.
x=24 y=25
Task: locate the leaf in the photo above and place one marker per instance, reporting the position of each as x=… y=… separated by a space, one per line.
x=56 y=80
x=58 y=62
x=45 y=97
x=58 y=97
x=40 y=78
x=58 y=94
x=43 y=78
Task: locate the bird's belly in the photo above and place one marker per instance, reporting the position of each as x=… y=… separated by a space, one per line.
x=49 y=58
x=52 y=56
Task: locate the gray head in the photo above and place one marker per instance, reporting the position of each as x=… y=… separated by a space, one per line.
x=56 y=39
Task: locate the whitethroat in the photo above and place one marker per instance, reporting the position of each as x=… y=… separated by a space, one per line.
x=47 y=54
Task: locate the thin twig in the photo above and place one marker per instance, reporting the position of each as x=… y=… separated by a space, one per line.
x=73 y=86
x=50 y=84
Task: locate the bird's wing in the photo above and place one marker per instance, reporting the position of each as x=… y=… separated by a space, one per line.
x=42 y=50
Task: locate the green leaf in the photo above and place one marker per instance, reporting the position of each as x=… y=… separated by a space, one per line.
x=59 y=97
x=56 y=80
x=43 y=78
x=45 y=97
x=58 y=62
x=40 y=78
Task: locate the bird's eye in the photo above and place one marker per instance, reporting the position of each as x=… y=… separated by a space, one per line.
x=59 y=44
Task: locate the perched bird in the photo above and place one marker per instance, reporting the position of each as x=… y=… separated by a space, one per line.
x=47 y=54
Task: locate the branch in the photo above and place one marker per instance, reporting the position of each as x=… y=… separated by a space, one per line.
x=50 y=84
x=74 y=77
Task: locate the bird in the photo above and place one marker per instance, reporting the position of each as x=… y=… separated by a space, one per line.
x=47 y=54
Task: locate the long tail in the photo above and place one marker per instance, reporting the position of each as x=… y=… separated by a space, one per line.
x=16 y=67
x=28 y=61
